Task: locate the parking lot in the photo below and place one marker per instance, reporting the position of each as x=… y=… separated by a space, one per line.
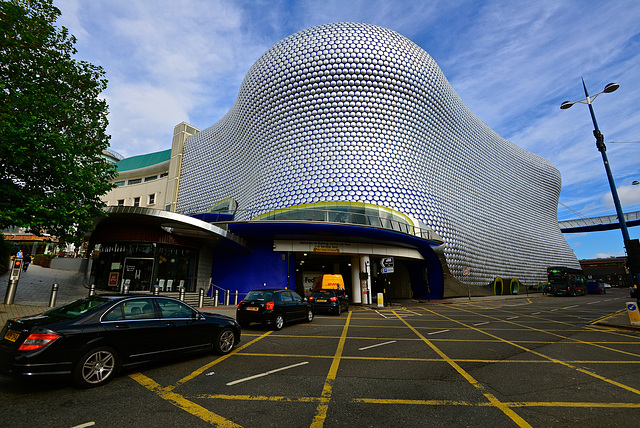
x=523 y=362
x=529 y=362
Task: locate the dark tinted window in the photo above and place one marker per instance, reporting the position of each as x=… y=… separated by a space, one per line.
x=77 y=308
x=259 y=295
x=323 y=293
x=173 y=309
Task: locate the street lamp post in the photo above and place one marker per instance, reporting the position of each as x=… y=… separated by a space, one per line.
x=611 y=87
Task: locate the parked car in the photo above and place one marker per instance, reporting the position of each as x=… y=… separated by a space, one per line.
x=92 y=338
x=329 y=301
x=273 y=307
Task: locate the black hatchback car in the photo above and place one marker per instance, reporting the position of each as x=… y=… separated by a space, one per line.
x=273 y=307
x=92 y=338
x=329 y=301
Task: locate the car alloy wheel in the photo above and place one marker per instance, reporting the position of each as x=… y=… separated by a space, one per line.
x=95 y=368
x=279 y=322
x=225 y=340
x=309 y=315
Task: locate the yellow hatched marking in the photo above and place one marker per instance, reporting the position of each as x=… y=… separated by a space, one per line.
x=490 y=397
x=182 y=403
x=554 y=360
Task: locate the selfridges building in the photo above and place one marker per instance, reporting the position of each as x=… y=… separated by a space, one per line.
x=356 y=115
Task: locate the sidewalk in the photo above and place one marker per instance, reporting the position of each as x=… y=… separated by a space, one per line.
x=34 y=292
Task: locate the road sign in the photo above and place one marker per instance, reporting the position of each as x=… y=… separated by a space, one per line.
x=387 y=262
x=387 y=270
x=466 y=271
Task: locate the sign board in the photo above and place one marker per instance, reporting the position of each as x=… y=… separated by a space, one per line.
x=634 y=314
x=466 y=271
x=113 y=279
x=386 y=265
x=15 y=269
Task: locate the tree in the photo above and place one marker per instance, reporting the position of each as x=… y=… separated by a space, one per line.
x=52 y=126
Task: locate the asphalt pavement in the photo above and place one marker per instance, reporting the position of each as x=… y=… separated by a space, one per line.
x=33 y=295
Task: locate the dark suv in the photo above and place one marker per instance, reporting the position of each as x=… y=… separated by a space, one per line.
x=273 y=307
x=329 y=301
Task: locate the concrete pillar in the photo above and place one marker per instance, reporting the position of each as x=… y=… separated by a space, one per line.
x=356 y=291
x=365 y=266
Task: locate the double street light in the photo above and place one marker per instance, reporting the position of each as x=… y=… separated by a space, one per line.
x=611 y=87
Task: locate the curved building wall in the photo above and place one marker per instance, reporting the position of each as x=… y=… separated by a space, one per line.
x=356 y=112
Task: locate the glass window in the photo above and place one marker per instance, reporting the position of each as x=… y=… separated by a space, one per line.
x=119 y=183
x=173 y=309
x=121 y=202
x=287 y=297
x=136 y=201
x=138 y=309
x=135 y=181
x=151 y=178
x=164 y=174
x=152 y=199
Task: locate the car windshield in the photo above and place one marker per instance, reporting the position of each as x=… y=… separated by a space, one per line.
x=75 y=309
x=259 y=295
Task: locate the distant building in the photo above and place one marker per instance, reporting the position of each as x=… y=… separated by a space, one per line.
x=612 y=270
x=150 y=180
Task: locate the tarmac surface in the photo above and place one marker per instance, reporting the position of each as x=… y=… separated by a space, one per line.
x=33 y=295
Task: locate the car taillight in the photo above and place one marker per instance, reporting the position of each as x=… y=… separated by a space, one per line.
x=239 y=304
x=269 y=306
x=310 y=298
x=334 y=299
x=37 y=341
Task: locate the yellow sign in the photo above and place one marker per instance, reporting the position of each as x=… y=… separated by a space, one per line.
x=326 y=250
x=634 y=314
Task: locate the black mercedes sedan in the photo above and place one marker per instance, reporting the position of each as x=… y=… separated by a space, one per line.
x=92 y=338
x=273 y=307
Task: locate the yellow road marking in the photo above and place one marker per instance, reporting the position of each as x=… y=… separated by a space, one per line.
x=216 y=361
x=490 y=397
x=555 y=360
x=327 y=390
x=182 y=403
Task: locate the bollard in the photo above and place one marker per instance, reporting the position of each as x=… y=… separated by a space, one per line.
x=181 y=295
x=10 y=294
x=227 y=294
x=156 y=290
x=201 y=298
x=125 y=289
x=92 y=290
x=216 y=298
x=235 y=301
x=54 y=295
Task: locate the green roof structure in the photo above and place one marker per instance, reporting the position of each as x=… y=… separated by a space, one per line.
x=142 y=161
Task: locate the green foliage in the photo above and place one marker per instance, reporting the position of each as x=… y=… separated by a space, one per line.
x=52 y=126
x=5 y=255
x=43 y=260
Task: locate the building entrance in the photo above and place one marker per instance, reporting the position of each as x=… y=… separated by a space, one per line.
x=137 y=273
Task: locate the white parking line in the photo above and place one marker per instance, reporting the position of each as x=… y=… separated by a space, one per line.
x=512 y=318
x=480 y=323
x=373 y=346
x=569 y=307
x=591 y=303
x=536 y=313
x=266 y=373
x=437 y=332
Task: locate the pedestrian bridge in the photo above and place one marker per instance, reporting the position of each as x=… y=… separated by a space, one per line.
x=596 y=224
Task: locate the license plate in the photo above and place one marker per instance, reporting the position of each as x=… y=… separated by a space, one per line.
x=322 y=301
x=12 y=336
x=252 y=308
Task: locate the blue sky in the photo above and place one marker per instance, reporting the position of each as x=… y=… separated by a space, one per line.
x=512 y=62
